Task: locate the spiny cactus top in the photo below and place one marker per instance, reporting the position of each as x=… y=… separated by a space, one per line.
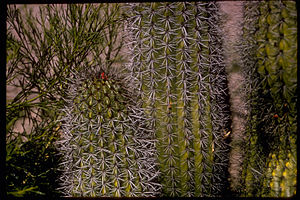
x=108 y=149
x=178 y=65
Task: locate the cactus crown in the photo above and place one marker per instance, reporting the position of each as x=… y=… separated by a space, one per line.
x=108 y=149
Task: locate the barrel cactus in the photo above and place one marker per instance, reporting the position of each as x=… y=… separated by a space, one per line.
x=269 y=53
x=107 y=146
x=177 y=64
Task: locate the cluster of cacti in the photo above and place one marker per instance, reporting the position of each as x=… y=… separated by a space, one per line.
x=270 y=60
x=106 y=143
x=177 y=64
x=161 y=125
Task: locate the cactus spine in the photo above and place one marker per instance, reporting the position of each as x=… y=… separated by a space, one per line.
x=108 y=149
x=270 y=46
x=178 y=64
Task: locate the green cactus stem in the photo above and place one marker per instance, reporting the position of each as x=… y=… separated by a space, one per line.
x=107 y=146
x=177 y=62
x=269 y=56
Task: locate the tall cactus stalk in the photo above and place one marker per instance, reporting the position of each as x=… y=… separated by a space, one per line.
x=177 y=63
x=251 y=161
x=270 y=61
x=107 y=146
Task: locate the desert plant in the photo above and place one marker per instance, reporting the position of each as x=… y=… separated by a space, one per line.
x=177 y=64
x=107 y=146
x=31 y=166
x=269 y=56
x=43 y=49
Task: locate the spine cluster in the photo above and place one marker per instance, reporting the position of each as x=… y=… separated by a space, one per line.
x=163 y=128
x=270 y=61
x=107 y=146
x=177 y=63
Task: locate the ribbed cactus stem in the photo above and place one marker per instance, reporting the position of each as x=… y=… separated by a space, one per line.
x=107 y=145
x=183 y=87
x=270 y=61
x=201 y=96
x=183 y=58
x=166 y=103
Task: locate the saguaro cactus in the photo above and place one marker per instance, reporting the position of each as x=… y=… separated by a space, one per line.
x=269 y=52
x=177 y=63
x=108 y=149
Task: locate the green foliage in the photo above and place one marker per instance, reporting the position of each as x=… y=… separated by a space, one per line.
x=32 y=165
x=178 y=68
x=43 y=49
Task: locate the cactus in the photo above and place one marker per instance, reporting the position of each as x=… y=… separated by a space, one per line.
x=270 y=62
x=107 y=146
x=177 y=64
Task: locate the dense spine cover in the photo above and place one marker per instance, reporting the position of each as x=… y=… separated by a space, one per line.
x=248 y=50
x=270 y=61
x=107 y=146
x=177 y=62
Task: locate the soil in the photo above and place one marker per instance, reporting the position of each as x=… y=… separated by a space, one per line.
x=232 y=11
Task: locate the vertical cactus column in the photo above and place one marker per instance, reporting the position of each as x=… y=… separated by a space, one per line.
x=252 y=160
x=177 y=61
x=107 y=146
x=271 y=61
